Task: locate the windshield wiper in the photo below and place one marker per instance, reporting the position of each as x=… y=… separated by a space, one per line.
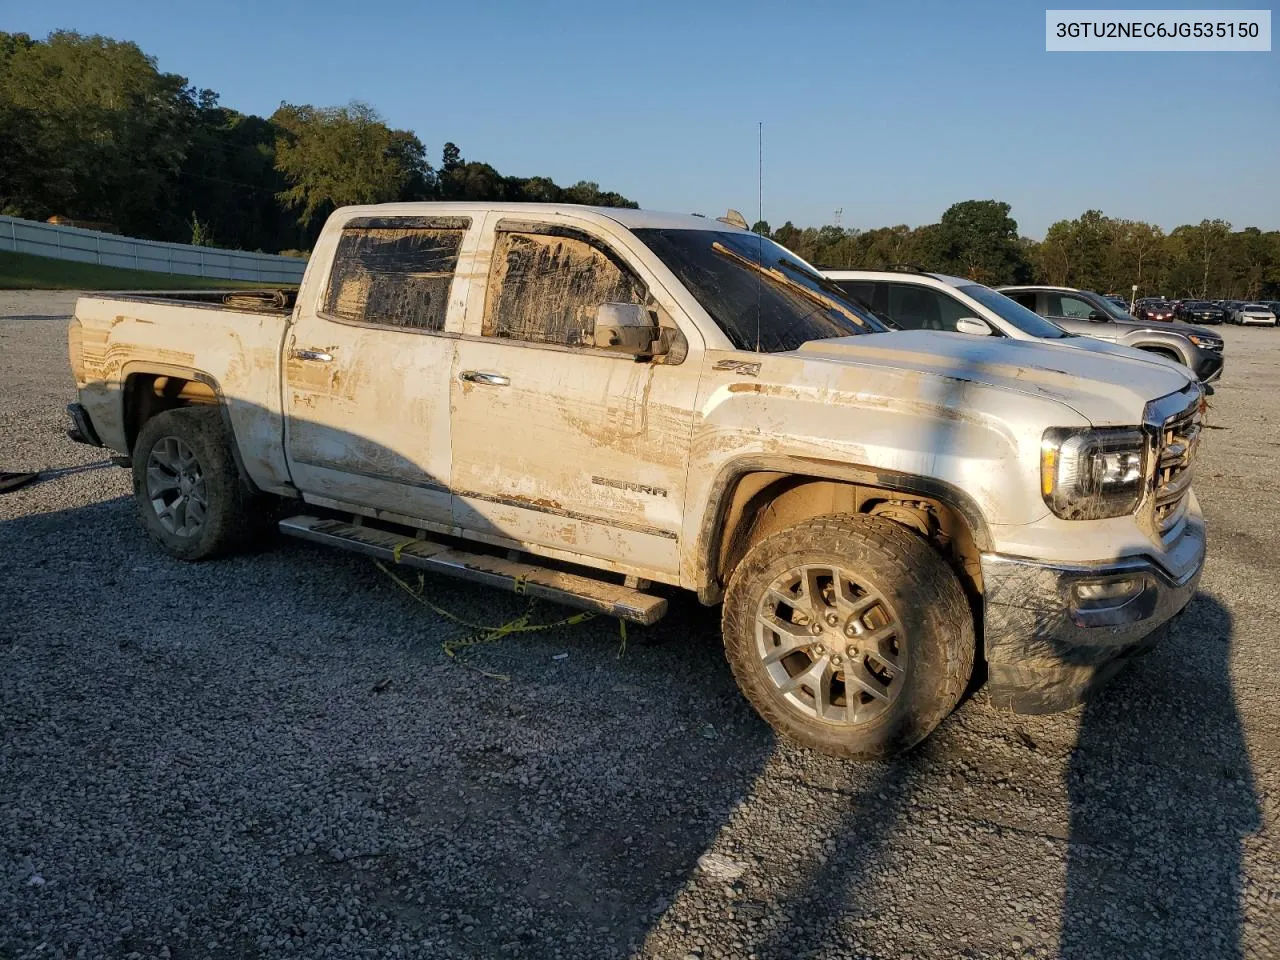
x=776 y=275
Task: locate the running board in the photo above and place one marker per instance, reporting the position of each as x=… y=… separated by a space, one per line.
x=598 y=596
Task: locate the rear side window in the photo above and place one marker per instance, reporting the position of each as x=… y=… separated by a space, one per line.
x=395 y=273
x=546 y=288
x=864 y=291
x=1027 y=300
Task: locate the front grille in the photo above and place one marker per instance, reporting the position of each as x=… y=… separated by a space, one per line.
x=1175 y=448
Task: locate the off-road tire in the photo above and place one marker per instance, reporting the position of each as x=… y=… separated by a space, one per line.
x=913 y=579
x=229 y=514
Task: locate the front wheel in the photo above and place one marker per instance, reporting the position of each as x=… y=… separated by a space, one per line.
x=849 y=635
x=186 y=484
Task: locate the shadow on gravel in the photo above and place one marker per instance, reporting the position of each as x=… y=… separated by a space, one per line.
x=444 y=815
x=1162 y=795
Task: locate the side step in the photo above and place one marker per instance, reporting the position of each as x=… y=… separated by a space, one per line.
x=570 y=589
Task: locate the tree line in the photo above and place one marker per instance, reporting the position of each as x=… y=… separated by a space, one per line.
x=979 y=239
x=91 y=130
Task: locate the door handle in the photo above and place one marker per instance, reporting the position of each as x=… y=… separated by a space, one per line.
x=492 y=379
x=312 y=355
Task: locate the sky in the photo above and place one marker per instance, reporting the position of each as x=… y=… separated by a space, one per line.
x=887 y=111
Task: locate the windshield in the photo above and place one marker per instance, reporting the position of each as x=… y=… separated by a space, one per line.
x=1199 y=305
x=1027 y=321
x=756 y=291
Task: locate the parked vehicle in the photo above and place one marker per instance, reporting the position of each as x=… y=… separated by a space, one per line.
x=1150 y=311
x=1088 y=314
x=1119 y=301
x=1254 y=314
x=933 y=301
x=576 y=403
x=1201 y=311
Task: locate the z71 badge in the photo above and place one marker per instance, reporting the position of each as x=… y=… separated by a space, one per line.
x=747 y=368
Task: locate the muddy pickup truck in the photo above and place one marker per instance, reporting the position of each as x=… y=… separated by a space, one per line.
x=596 y=406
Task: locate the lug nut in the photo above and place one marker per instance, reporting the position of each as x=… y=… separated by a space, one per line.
x=819 y=649
x=815 y=628
x=851 y=650
x=832 y=619
x=836 y=660
x=850 y=629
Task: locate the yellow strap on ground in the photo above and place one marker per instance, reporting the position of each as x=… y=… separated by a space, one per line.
x=483 y=634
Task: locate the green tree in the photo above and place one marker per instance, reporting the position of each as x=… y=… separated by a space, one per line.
x=93 y=131
x=334 y=156
x=980 y=241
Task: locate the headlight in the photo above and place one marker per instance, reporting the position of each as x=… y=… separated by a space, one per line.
x=1089 y=474
x=1206 y=342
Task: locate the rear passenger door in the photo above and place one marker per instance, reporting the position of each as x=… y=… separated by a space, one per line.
x=557 y=444
x=367 y=367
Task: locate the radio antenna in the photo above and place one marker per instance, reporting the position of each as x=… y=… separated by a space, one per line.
x=759 y=220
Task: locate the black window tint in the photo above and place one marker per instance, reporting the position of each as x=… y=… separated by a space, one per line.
x=760 y=294
x=1027 y=300
x=914 y=307
x=546 y=288
x=864 y=291
x=395 y=276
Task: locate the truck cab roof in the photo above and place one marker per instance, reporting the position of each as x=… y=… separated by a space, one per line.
x=630 y=218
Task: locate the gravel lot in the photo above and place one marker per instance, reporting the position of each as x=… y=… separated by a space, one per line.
x=270 y=756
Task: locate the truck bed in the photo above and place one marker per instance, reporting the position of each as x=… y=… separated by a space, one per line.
x=274 y=300
x=229 y=343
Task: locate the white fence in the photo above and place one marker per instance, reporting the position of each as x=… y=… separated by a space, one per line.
x=91 y=246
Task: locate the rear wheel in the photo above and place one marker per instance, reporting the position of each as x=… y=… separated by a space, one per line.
x=186 y=484
x=849 y=635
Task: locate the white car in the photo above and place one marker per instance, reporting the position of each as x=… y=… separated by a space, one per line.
x=1254 y=313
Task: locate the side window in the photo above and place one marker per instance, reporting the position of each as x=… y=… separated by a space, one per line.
x=1025 y=299
x=545 y=288
x=1062 y=305
x=394 y=273
x=864 y=291
x=923 y=308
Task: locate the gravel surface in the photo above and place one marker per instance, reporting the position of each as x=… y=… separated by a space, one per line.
x=270 y=756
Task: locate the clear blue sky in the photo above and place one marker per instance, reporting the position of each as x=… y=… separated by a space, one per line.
x=891 y=111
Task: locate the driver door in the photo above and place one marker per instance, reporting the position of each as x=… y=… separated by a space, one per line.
x=558 y=444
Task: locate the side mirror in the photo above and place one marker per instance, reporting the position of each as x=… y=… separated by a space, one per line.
x=627 y=328
x=973 y=327
x=1097 y=317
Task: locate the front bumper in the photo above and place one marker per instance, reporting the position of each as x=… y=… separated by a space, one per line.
x=1209 y=365
x=82 y=430
x=1047 y=649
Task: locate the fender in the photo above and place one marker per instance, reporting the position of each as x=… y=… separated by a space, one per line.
x=147 y=368
x=1171 y=342
x=712 y=528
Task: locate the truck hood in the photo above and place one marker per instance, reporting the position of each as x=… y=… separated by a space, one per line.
x=1106 y=387
x=1093 y=345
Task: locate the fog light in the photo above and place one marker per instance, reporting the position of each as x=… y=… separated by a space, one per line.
x=1107 y=591
x=1113 y=602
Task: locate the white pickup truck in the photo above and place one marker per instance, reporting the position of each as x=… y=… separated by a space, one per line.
x=587 y=403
